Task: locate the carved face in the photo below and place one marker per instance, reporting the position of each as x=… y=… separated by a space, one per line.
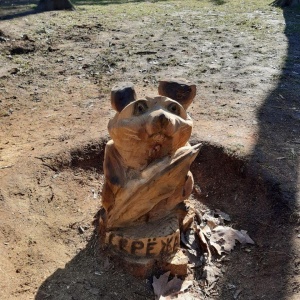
x=149 y=129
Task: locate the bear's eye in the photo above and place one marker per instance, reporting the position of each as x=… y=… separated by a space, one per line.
x=140 y=107
x=174 y=109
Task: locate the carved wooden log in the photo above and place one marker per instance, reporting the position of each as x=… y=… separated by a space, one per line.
x=147 y=177
x=151 y=239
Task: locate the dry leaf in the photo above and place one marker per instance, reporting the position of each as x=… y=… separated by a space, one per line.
x=195 y=259
x=189 y=239
x=217 y=247
x=164 y=289
x=204 y=245
x=181 y=295
x=248 y=239
x=159 y=284
x=184 y=240
x=185 y=296
x=206 y=231
x=226 y=237
x=211 y=221
x=223 y=215
x=185 y=285
x=173 y=287
x=211 y=273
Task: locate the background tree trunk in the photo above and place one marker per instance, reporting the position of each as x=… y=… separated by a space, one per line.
x=45 y=5
x=285 y=3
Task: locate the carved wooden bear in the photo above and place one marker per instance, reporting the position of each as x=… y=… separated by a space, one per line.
x=147 y=162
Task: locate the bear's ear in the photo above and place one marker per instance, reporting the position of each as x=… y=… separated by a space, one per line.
x=181 y=91
x=121 y=95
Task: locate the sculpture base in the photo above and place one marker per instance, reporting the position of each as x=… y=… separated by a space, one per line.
x=147 y=249
x=152 y=239
x=143 y=267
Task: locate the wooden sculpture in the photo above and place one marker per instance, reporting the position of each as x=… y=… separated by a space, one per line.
x=147 y=177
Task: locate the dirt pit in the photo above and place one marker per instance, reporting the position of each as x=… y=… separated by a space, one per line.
x=222 y=181
x=53 y=248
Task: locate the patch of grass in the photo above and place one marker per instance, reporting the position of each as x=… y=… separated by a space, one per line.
x=4 y=113
x=236 y=149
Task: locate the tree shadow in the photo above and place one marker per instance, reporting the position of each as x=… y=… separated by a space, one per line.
x=108 y=2
x=262 y=195
x=278 y=145
x=17 y=8
x=22 y=8
x=277 y=153
x=11 y=4
x=90 y=275
x=19 y=14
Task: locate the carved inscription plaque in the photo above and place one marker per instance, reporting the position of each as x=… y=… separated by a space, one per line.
x=146 y=247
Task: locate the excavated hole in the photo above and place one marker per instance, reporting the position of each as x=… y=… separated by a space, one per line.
x=85 y=157
x=89 y=157
x=222 y=181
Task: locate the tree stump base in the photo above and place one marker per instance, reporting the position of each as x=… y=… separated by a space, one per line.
x=145 y=267
x=147 y=248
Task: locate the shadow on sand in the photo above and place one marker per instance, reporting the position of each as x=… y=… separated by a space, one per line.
x=89 y=275
x=269 y=207
x=17 y=9
x=277 y=152
x=21 y=8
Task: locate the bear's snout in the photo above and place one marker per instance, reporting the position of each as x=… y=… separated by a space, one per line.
x=161 y=121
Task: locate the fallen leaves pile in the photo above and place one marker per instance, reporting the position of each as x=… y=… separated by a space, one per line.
x=205 y=241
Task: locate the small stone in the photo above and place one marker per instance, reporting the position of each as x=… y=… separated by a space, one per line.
x=231 y=286
x=14 y=71
x=98 y=273
x=94 y=291
x=81 y=229
x=236 y=294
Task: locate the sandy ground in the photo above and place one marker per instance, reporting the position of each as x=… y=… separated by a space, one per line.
x=56 y=71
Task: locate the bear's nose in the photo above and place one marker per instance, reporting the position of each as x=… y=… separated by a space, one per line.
x=161 y=120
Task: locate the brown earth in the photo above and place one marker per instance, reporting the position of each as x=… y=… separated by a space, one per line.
x=56 y=70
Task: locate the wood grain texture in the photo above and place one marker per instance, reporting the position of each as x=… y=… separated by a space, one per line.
x=147 y=172
x=182 y=91
x=164 y=179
